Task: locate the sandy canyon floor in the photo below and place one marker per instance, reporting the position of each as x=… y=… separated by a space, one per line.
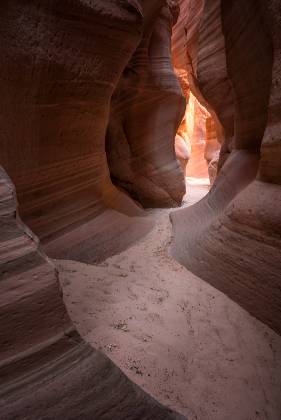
x=180 y=339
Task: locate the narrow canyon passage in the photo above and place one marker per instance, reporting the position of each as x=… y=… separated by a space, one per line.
x=173 y=334
x=140 y=210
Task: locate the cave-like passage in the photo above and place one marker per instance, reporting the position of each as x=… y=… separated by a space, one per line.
x=179 y=338
x=197 y=149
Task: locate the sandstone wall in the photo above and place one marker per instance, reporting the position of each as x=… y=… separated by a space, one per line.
x=189 y=45
x=46 y=369
x=146 y=110
x=60 y=64
x=232 y=238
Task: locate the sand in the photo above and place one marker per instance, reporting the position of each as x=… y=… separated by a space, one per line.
x=180 y=339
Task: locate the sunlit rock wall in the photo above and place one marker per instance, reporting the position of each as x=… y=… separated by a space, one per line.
x=185 y=51
x=196 y=117
x=232 y=238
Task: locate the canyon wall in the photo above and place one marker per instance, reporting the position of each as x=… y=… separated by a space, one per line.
x=61 y=63
x=146 y=110
x=56 y=83
x=46 y=370
x=88 y=96
x=232 y=237
x=205 y=137
x=196 y=123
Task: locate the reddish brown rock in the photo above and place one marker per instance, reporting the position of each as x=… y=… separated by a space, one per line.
x=46 y=369
x=212 y=149
x=196 y=116
x=89 y=96
x=58 y=83
x=270 y=166
x=185 y=44
x=146 y=110
x=61 y=62
x=183 y=152
x=234 y=242
x=183 y=146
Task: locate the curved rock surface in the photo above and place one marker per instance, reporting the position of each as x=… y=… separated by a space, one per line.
x=146 y=110
x=186 y=41
x=89 y=110
x=61 y=62
x=236 y=247
x=183 y=341
x=58 y=79
x=59 y=84
x=47 y=371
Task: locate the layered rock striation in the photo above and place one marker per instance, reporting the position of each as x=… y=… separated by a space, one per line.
x=61 y=63
x=204 y=136
x=46 y=368
x=146 y=110
x=232 y=237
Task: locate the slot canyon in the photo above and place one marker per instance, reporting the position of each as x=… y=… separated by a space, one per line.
x=140 y=210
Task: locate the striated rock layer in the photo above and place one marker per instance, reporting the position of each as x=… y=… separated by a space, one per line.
x=61 y=62
x=46 y=370
x=232 y=238
x=56 y=85
x=146 y=110
x=185 y=53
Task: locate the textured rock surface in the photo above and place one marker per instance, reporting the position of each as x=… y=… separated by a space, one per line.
x=214 y=57
x=270 y=166
x=196 y=119
x=146 y=110
x=61 y=62
x=46 y=370
x=237 y=247
x=88 y=95
x=56 y=86
x=182 y=340
x=212 y=149
x=183 y=151
x=57 y=80
x=183 y=146
x=185 y=44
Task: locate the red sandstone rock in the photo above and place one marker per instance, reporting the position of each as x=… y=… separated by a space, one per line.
x=146 y=110
x=212 y=149
x=183 y=151
x=196 y=116
x=233 y=239
x=61 y=62
x=186 y=41
x=58 y=80
x=45 y=367
x=67 y=68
